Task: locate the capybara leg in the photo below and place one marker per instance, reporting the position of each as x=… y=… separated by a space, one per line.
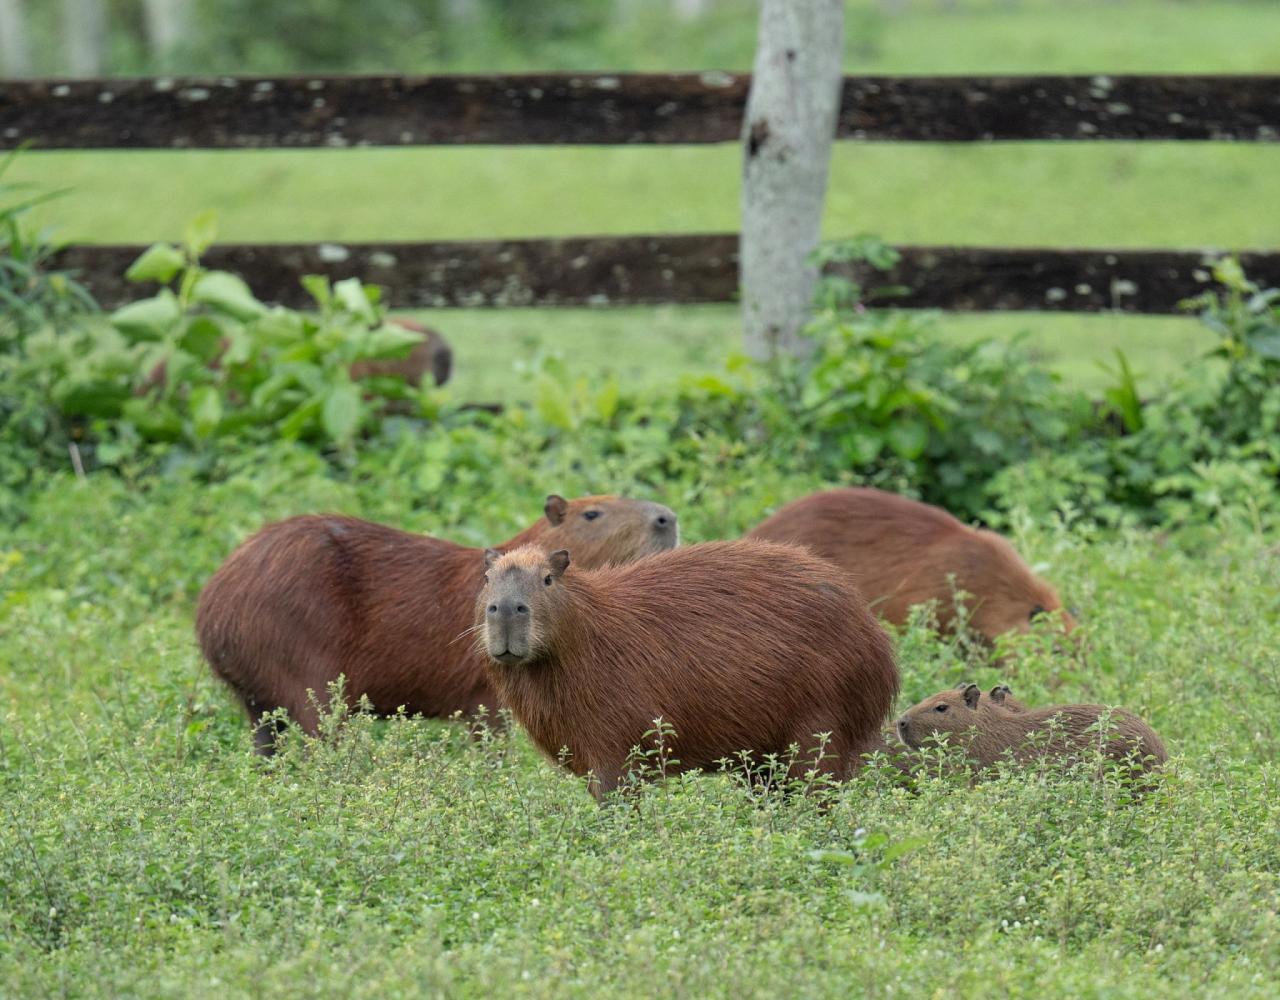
x=265 y=731
x=602 y=781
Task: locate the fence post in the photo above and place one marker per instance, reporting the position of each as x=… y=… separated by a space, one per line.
x=787 y=134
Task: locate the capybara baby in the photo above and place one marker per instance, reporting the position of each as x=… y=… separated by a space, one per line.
x=903 y=552
x=905 y=759
x=737 y=646
x=991 y=732
x=309 y=598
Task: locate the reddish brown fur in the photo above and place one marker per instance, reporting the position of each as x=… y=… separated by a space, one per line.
x=991 y=732
x=309 y=598
x=738 y=646
x=902 y=552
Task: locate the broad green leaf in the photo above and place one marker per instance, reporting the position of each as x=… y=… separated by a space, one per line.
x=1267 y=344
x=907 y=438
x=278 y=327
x=206 y=410
x=862 y=446
x=317 y=286
x=159 y=262
x=228 y=293
x=607 y=400
x=200 y=232
x=390 y=341
x=91 y=399
x=239 y=347
x=148 y=319
x=342 y=411
x=553 y=404
x=203 y=338
x=292 y=426
x=349 y=293
x=155 y=420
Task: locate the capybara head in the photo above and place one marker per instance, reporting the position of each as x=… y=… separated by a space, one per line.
x=1014 y=598
x=605 y=530
x=517 y=605
x=952 y=711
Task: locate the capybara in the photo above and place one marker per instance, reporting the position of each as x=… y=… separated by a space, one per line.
x=903 y=552
x=432 y=354
x=312 y=597
x=737 y=646
x=905 y=759
x=990 y=732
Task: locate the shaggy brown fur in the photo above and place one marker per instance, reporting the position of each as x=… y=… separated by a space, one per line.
x=738 y=646
x=990 y=732
x=901 y=552
x=310 y=598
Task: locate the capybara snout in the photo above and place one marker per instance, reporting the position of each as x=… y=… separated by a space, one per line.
x=513 y=603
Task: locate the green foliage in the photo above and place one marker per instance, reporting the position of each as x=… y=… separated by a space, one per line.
x=1208 y=447
x=203 y=358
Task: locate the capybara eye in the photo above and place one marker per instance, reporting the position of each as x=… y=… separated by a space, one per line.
x=591 y=515
x=493 y=609
x=547 y=579
x=939 y=708
x=1036 y=612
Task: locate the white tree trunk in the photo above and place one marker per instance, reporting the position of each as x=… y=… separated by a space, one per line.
x=787 y=134
x=15 y=53
x=166 y=26
x=84 y=26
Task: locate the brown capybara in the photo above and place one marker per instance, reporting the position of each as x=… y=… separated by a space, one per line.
x=737 y=646
x=990 y=732
x=309 y=598
x=433 y=354
x=904 y=759
x=903 y=552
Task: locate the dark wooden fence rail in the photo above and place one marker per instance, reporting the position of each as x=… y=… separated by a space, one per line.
x=641 y=270
x=319 y=112
x=596 y=109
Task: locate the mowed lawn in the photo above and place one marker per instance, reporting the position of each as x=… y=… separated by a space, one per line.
x=1041 y=194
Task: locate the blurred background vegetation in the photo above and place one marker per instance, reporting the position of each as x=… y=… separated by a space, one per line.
x=1117 y=194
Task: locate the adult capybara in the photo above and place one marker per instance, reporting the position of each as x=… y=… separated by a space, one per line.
x=990 y=732
x=903 y=552
x=737 y=646
x=312 y=597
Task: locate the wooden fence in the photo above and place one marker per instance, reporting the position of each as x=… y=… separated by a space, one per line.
x=613 y=109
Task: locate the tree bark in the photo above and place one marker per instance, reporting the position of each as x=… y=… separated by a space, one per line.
x=787 y=134
x=84 y=26
x=166 y=27
x=15 y=52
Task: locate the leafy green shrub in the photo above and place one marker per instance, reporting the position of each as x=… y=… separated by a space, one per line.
x=1209 y=446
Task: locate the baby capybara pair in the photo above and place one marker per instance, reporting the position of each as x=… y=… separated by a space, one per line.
x=902 y=552
x=314 y=597
x=997 y=726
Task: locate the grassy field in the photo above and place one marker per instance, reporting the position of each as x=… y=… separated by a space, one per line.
x=144 y=852
x=1183 y=195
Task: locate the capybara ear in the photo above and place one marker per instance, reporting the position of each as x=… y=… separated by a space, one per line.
x=972 y=694
x=558 y=561
x=491 y=556
x=964 y=684
x=999 y=693
x=556 y=508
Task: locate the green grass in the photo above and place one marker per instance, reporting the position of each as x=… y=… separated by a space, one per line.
x=144 y=852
